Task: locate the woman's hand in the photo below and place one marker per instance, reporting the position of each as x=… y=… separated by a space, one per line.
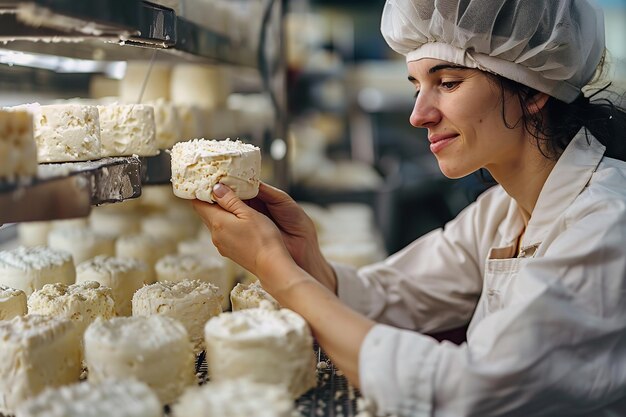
x=298 y=232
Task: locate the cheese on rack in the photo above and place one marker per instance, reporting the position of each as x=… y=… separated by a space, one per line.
x=162 y=226
x=29 y=269
x=112 y=397
x=245 y=296
x=157 y=84
x=235 y=398
x=198 y=165
x=18 y=152
x=168 y=126
x=65 y=132
x=127 y=129
x=155 y=350
x=12 y=302
x=81 y=242
x=175 y=268
x=37 y=352
x=192 y=120
x=270 y=346
x=124 y=276
x=205 y=86
x=144 y=248
x=82 y=302
x=192 y=303
x=114 y=223
x=33 y=233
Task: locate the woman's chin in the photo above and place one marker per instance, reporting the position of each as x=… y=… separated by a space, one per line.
x=454 y=170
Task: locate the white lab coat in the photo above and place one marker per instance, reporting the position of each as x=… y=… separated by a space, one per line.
x=547 y=329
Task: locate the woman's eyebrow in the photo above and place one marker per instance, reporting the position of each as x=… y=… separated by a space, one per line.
x=438 y=68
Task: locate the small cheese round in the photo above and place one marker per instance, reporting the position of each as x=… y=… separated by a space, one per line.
x=245 y=296
x=81 y=242
x=155 y=350
x=192 y=303
x=33 y=233
x=205 y=86
x=157 y=85
x=168 y=126
x=124 y=276
x=198 y=165
x=235 y=398
x=12 y=302
x=270 y=346
x=175 y=268
x=205 y=247
x=192 y=121
x=29 y=269
x=82 y=302
x=162 y=226
x=144 y=248
x=127 y=129
x=114 y=223
x=37 y=352
x=112 y=397
x=18 y=152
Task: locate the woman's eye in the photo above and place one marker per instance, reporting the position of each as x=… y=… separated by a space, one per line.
x=448 y=85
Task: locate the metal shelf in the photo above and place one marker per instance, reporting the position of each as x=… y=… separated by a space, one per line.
x=157 y=169
x=68 y=190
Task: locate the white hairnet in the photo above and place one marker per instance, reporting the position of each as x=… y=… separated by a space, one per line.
x=553 y=46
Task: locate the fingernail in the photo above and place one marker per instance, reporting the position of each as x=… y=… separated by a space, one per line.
x=219 y=190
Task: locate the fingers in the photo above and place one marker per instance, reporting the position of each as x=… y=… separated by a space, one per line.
x=272 y=195
x=228 y=200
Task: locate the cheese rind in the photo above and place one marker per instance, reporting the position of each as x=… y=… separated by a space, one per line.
x=155 y=350
x=270 y=346
x=235 y=398
x=192 y=303
x=82 y=302
x=65 y=132
x=29 y=269
x=144 y=248
x=12 y=302
x=198 y=165
x=37 y=352
x=168 y=126
x=112 y=397
x=18 y=152
x=81 y=242
x=245 y=296
x=123 y=275
x=127 y=129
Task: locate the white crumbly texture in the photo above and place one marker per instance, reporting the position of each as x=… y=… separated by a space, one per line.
x=12 y=302
x=198 y=165
x=29 y=269
x=192 y=121
x=157 y=85
x=123 y=275
x=192 y=303
x=82 y=302
x=161 y=226
x=203 y=246
x=176 y=268
x=18 y=152
x=127 y=129
x=37 y=352
x=65 y=132
x=245 y=296
x=33 y=233
x=155 y=350
x=168 y=126
x=271 y=346
x=144 y=248
x=112 y=397
x=205 y=86
x=81 y=242
x=235 y=398
x=114 y=223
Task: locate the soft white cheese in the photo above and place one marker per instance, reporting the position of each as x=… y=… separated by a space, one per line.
x=123 y=275
x=157 y=83
x=155 y=350
x=112 y=397
x=270 y=346
x=114 y=223
x=12 y=302
x=168 y=126
x=18 y=152
x=127 y=129
x=198 y=165
x=192 y=120
x=81 y=242
x=145 y=248
x=205 y=86
x=192 y=303
x=37 y=352
x=245 y=296
x=29 y=269
x=33 y=233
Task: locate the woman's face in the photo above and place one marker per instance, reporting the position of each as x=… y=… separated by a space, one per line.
x=462 y=110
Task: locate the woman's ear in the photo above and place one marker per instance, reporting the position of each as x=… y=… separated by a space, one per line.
x=536 y=102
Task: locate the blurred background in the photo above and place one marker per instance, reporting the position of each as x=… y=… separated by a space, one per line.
x=310 y=81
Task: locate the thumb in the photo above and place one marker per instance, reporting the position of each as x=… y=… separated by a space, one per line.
x=228 y=200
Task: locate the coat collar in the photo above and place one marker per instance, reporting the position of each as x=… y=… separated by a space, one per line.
x=568 y=178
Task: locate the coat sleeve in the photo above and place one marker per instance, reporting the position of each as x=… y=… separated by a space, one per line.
x=434 y=283
x=558 y=349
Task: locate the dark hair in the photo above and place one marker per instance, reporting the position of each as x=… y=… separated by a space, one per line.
x=558 y=123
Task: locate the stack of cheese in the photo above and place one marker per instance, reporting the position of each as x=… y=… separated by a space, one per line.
x=18 y=153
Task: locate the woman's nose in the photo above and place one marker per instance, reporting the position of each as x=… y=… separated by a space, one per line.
x=425 y=112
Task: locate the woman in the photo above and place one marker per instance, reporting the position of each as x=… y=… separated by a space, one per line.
x=536 y=266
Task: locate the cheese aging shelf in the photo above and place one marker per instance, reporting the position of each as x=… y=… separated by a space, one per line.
x=68 y=37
